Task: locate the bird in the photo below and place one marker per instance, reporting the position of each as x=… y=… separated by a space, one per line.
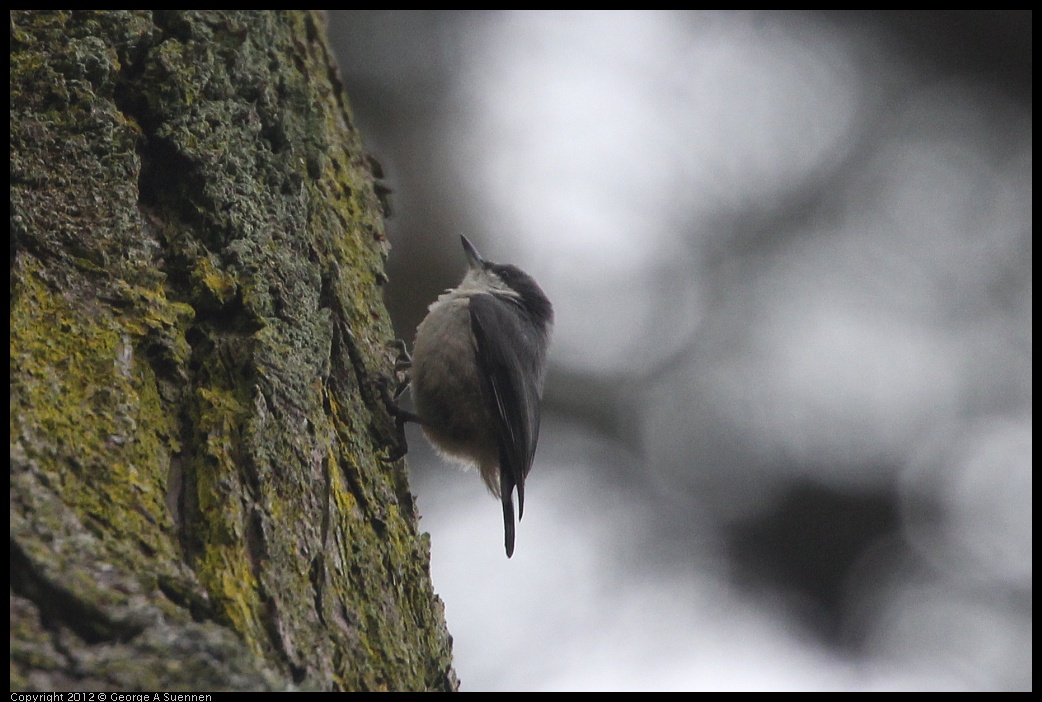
x=477 y=372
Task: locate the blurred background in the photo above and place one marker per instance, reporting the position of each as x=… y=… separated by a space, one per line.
x=787 y=434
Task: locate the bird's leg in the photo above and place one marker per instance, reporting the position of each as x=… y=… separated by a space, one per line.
x=402 y=363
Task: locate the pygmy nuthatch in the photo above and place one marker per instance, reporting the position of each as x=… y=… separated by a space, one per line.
x=477 y=376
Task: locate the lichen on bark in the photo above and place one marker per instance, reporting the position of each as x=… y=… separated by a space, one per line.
x=198 y=499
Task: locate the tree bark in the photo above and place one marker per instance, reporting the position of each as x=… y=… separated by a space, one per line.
x=198 y=496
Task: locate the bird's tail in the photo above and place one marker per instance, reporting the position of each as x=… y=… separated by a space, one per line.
x=506 y=490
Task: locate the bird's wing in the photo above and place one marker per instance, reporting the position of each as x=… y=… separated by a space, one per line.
x=511 y=391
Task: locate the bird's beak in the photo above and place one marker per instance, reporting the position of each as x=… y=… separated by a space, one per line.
x=472 y=254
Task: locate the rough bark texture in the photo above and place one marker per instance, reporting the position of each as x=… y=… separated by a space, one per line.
x=197 y=329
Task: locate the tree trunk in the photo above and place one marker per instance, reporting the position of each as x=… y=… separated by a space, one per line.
x=198 y=500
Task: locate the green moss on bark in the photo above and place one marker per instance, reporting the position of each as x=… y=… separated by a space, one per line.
x=197 y=331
